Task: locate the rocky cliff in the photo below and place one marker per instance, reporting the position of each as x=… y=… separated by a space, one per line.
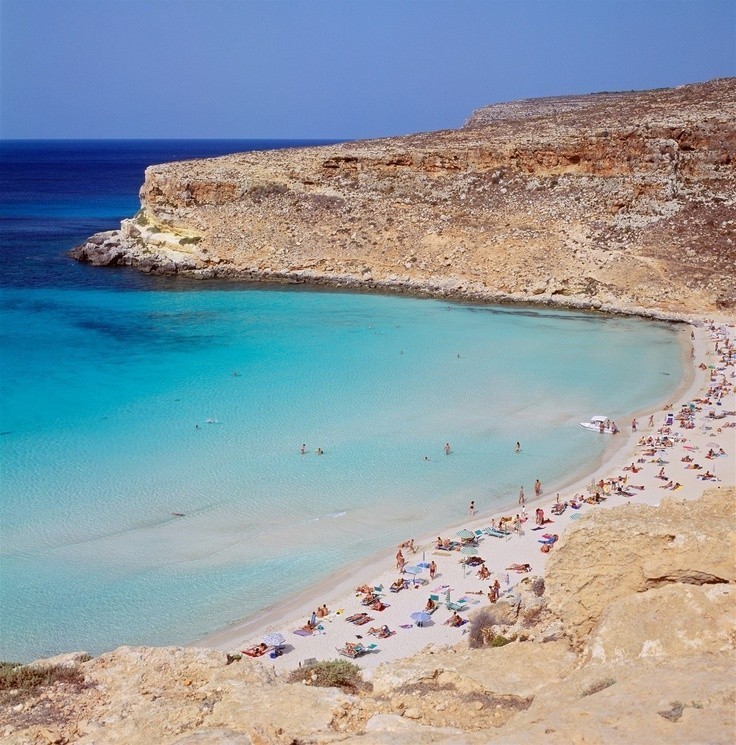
x=616 y=201
x=631 y=640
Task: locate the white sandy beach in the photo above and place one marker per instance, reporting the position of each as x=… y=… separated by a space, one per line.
x=703 y=434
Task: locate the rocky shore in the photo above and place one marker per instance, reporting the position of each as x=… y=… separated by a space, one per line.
x=614 y=202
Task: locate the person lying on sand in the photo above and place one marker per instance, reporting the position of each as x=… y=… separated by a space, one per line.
x=256 y=651
x=378 y=605
x=398 y=585
x=483 y=572
x=382 y=633
x=520 y=567
x=364 y=589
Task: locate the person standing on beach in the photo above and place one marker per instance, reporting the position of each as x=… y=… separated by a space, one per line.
x=634 y=424
x=400 y=561
x=537 y=487
x=651 y=420
x=471 y=509
x=522 y=498
x=432 y=570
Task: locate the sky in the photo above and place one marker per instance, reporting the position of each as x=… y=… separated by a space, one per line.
x=332 y=69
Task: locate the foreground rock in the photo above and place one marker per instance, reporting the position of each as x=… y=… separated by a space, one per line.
x=643 y=599
x=619 y=201
x=681 y=543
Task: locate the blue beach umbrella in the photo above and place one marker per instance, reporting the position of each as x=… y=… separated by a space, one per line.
x=420 y=617
x=274 y=640
x=414 y=571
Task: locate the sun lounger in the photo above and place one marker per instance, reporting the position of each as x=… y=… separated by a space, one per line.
x=496 y=533
x=358 y=650
x=458 y=607
x=351 y=653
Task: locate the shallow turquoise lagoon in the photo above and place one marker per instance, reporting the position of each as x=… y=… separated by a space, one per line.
x=123 y=407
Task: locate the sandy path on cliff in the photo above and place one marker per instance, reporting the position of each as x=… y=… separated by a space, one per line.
x=500 y=553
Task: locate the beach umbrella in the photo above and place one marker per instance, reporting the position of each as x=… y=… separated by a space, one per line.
x=274 y=640
x=414 y=571
x=465 y=535
x=420 y=617
x=468 y=551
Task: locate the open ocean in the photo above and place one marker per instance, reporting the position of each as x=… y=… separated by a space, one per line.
x=126 y=398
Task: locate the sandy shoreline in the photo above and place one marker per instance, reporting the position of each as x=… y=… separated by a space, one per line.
x=338 y=590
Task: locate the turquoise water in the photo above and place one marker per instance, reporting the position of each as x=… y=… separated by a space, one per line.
x=105 y=376
x=107 y=397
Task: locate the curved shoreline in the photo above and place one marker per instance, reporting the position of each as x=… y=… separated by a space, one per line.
x=169 y=264
x=341 y=583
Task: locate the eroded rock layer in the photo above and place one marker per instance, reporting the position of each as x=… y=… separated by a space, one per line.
x=615 y=201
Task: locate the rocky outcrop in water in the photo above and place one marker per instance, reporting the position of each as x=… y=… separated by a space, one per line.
x=644 y=601
x=615 y=201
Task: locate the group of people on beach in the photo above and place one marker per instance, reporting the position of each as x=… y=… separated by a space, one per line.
x=664 y=453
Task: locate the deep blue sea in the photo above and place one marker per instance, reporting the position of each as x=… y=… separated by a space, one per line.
x=127 y=398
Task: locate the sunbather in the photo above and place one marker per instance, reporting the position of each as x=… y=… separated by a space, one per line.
x=454 y=620
x=483 y=572
x=378 y=605
x=256 y=651
x=398 y=585
x=520 y=567
x=382 y=633
x=430 y=606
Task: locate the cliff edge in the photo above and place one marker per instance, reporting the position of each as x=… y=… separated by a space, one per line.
x=622 y=202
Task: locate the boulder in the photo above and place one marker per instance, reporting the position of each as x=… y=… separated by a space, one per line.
x=612 y=554
x=670 y=621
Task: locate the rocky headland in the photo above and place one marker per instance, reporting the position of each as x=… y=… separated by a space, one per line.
x=640 y=649
x=622 y=202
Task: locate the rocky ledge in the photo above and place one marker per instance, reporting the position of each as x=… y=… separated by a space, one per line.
x=621 y=202
x=631 y=639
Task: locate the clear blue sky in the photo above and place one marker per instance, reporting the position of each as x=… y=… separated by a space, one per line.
x=332 y=68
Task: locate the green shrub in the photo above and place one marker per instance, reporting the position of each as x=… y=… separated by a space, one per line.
x=499 y=641
x=329 y=674
x=13 y=675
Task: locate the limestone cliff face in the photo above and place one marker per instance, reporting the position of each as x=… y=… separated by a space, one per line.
x=643 y=600
x=617 y=201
